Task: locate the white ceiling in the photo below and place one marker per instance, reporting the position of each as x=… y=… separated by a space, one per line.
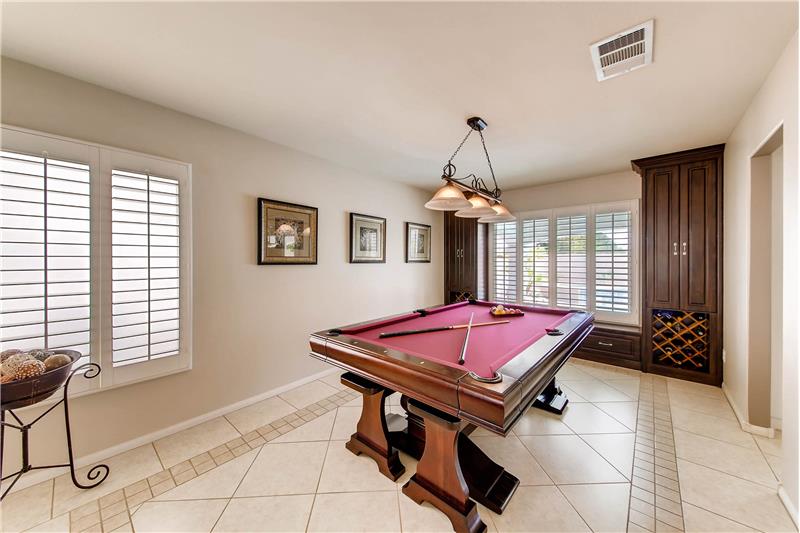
x=385 y=87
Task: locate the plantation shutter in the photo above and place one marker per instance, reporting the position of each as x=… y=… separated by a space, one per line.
x=145 y=267
x=536 y=261
x=482 y=231
x=505 y=261
x=613 y=261
x=45 y=259
x=571 y=261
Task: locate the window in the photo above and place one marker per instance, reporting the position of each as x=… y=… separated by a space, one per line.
x=145 y=271
x=482 y=281
x=95 y=255
x=536 y=261
x=577 y=258
x=612 y=261
x=45 y=238
x=571 y=261
x=505 y=261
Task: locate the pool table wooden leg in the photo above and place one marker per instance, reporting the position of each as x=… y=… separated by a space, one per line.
x=439 y=480
x=488 y=482
x=372 y=434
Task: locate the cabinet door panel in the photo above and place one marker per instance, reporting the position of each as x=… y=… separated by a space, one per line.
x=662 y=231
x=699 y=236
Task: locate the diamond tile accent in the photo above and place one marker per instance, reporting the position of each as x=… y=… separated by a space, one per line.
x=655 y=492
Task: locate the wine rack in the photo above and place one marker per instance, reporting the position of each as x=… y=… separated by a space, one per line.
x=680 y=340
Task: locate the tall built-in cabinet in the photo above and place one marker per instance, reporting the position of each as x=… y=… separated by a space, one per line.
x=682 y=264
x=465 y=258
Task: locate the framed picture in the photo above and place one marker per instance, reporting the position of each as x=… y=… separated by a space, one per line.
x=367 y=239
x=418 y=243
x=287 y=233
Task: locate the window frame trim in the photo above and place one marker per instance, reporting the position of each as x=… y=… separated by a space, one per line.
x=29 y=141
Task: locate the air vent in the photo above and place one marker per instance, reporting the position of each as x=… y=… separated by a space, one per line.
x=623 y=52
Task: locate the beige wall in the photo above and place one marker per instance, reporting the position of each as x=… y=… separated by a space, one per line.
x=251 y=323
x=775 y=103
x=625 y=185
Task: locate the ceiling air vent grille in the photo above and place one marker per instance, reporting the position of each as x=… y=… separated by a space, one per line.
x=623 y=52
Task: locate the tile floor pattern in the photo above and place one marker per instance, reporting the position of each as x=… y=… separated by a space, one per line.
x=633 y=452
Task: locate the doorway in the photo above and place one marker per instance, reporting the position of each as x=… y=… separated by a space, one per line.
x=765 y=310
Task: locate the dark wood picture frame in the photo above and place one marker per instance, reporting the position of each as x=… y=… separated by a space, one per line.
x=311 y=212
x=379 y=220
x=409 y=227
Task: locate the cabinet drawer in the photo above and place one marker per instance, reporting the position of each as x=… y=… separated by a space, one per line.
x=603 y=343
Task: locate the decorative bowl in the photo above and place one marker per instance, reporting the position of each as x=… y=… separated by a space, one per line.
x=24 y=392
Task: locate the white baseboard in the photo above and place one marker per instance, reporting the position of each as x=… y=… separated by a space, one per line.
x=745 y=425
x=37 y=476
x=790 y=506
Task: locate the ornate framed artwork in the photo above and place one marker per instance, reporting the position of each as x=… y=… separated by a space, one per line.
x=287 y=233
x=367 y=239
x=418 y=243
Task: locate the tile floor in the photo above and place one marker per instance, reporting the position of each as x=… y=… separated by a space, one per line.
x=633 y=452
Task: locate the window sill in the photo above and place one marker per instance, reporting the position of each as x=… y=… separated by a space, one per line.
x=55 y=398
x=618 y=326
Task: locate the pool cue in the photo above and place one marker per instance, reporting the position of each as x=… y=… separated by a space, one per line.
x=440 y=328
x=463 y=355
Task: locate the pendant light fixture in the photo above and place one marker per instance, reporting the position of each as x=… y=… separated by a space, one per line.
x=480 y=202
x=478 y=207
x=448 y=198
x=501 y=214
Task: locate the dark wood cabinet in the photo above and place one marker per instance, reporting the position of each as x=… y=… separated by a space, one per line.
x=682 y=263
x=613 y=345
x=461 y=258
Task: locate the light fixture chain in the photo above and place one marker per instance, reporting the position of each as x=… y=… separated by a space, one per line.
x=460 y=145
x=488 y=160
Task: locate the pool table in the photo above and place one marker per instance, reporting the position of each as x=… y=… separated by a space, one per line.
x=507 y=368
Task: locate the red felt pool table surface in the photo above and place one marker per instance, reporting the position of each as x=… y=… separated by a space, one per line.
x=489 y=347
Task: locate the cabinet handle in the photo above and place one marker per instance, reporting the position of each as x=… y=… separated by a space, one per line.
x=684 y=248
x=674 y=248
x=609 y=344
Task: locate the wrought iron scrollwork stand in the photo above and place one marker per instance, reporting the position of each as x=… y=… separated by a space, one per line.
x=89 y=371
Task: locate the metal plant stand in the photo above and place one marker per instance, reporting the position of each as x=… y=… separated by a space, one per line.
x=88 y=371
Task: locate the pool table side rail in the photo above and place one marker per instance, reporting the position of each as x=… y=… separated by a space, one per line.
x=426 y=381
x=494 y=406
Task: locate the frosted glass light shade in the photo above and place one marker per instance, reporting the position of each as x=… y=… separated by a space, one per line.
x=501 y=214
x=448 y=198
x=479 y=207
